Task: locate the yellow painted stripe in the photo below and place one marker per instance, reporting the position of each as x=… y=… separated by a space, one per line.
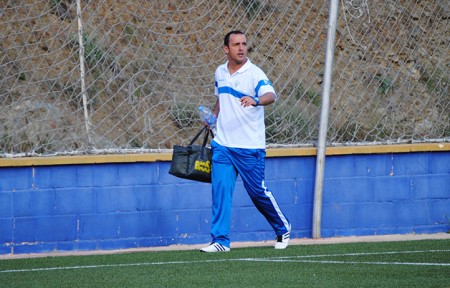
x=350 y=150
x=276 y=152
x=85 y=159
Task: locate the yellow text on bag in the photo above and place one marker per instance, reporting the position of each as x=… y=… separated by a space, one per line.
x=204 y=166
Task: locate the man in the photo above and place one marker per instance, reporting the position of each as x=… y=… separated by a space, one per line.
x=242 y=89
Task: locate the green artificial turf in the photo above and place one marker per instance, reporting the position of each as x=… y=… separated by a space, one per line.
x=424 y=263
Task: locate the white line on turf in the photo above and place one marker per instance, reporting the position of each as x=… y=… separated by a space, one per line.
x=288 y=259
x=366 y=253
x=346 y=262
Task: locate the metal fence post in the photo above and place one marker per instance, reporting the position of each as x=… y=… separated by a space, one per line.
x=326 y=90
x=82 y=74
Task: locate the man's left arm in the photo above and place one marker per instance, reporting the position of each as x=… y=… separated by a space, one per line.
x=267 y=98
x=263 y=100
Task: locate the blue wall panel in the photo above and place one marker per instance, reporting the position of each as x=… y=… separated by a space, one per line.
x=16 y=179
x=439 y=163
x=65 y=176
x=106 y=175
x=374 y=214
x=391 y=188
x=430 y=186
x=413 y=213
x=346 y=190
x=116 y=199
x=126 y=205
x=34 y=202
x=6 y=229
x=85 y=175
x=339 y=166
x=6 y=207
x=44 y=229
x=439 y=212
x=368 y=165
x=291 y=168
x=81 y=200
x=402 y=164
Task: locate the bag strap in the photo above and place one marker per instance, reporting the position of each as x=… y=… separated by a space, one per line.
x=198 y=135
x=205 y=139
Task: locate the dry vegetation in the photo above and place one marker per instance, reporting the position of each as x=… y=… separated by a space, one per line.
x=147 y=60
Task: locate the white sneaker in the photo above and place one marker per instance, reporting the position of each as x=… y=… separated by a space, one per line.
x=215 y=247
x=283 y=240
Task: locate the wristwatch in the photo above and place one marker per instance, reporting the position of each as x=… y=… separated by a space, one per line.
x=256 y=100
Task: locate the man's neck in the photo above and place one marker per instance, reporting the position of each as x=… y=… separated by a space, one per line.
x=233 y=66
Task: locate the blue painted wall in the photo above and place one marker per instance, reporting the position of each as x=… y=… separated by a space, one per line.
x=128 y=205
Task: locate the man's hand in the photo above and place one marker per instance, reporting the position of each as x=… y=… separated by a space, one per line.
x=264 y=100
x=248 y=101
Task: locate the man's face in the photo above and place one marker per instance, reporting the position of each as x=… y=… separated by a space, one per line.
x=237 y=49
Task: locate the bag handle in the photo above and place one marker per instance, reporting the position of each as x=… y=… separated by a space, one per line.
x=205 y=139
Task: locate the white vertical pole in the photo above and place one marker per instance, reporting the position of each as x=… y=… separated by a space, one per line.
x=82 y=73
x=326 y=91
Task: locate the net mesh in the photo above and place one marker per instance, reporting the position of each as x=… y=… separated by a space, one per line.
x=149 y=64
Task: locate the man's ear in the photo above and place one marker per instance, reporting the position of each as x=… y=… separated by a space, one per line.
x=225 y=49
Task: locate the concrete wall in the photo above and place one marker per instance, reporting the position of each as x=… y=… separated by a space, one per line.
x=126 y=205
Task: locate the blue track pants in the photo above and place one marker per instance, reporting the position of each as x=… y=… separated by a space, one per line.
x=227 y=163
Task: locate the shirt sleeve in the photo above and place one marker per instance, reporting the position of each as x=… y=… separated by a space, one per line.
x=262 y=84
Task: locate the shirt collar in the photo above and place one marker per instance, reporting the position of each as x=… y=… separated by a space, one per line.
x=242 y=69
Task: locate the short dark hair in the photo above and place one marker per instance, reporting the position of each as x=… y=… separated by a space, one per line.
x=226 y=40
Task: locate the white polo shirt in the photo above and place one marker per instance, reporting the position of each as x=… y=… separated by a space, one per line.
x=240 y=127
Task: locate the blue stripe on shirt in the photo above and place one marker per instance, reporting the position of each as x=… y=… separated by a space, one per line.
x=261 y=83
x=237 y=94
x=231 y=91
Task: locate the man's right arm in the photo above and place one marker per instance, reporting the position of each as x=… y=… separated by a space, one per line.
x=216 y=108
